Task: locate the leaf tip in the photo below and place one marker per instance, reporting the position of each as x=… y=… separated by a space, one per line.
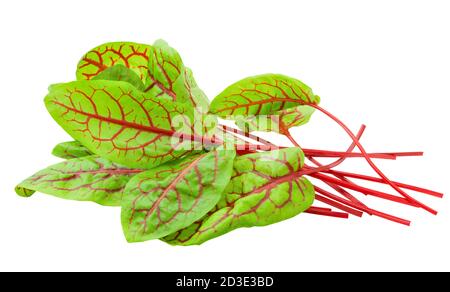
x=23 y=192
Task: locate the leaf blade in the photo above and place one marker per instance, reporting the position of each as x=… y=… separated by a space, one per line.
x=187 y=90
x=164 y=68
x=173 y=196
x=263 y=190
x=168 y=75
x=115 y=120
x=262 y=95
x=70 y=150
x=279 y=122
x=90 y=178
x=121 y=73
x=131 y=55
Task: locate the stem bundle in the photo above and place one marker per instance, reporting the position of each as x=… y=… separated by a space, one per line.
x=341 y=181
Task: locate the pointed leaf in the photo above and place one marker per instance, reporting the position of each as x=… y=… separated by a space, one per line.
x=279 y=122
x=265 y=188
x=262 y=95
x=70 y=150
x=131 y=55
x=172 y=196
x=121 y=73
x=90 y=178
x=164 y=68
x=168 y=75
x=115 y=120
x=188 y=91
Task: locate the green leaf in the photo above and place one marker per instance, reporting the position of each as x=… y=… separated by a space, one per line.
x=121 y=73
x=164 y=68
x=90 y=178
x=168 y=75
x=265 y=188
x=24 y=192
x=174 y=195
x=188 y=91
x=131 y=55
x=262 y=95
x=115 y=120
x=70 y=150
x=279 y=122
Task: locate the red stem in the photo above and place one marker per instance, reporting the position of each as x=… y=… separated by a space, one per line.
x=369 y=160
x=417 y=153
x=339 y=189
x=384 y=155
x=379 y=180
x=247 y=134
x=363 y=190
x=334 y=186
x=367 y=210
x=289 y=136
x=320 y=208
x=322 y=153
x=338 y=206
x=317 y=211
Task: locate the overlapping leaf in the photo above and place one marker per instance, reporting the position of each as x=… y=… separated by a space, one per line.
x=187 y=90
x=168 y=75
x=121 y=73
x=157 y=69
x=70 y=150
x=115 y=120
x=262 y=95
x=165 y=66
x=131 y=55
x=279 y=122
x=90 y=178
x=174 y=195
x=265 y=188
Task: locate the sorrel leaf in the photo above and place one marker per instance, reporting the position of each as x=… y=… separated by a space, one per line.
x=262 y=95
x=188 y=91
x=121 y=73
x=131 y=55
x=90 y=178
x=172 y=196
x=279 y=122
x=70 y=150
x=168 y=75
x=115 y=120
x=263 y=190
x=164 y=68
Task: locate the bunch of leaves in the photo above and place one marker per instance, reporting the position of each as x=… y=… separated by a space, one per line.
x=146 y=139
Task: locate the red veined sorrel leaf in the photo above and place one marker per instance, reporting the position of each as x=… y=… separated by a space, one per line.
x=279 y=122
x=131 y=55
x=164 y=68
x=188 y=91
x=115 y=120
x=70 y=150
x=168 y=75
x=264 y=189
x=262 y=95
x=121 y=73
x=90 y=178
x=172 y=196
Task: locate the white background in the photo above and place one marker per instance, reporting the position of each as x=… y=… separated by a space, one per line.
x=382 y=63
